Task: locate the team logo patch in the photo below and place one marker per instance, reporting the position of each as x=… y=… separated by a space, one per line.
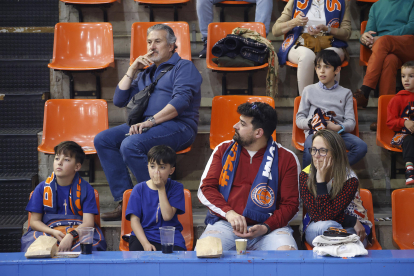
x=263 y=196
x=288 y=41
x=334 y=23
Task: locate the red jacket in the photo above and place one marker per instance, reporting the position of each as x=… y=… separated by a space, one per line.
x=396 y=107
x=287 y=200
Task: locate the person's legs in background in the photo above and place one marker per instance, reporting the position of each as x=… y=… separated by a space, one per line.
x=307 y=157
x=205 y=17
x=305 y=59
x=132 y=153
x=385 y=45
x=356 y=147
x=408 y=156
x=108 y=144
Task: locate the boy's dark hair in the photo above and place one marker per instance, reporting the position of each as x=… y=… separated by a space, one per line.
x=70 y=148
x=162 y=153
x=409 y=64
x=329 y=57
x=264 y=116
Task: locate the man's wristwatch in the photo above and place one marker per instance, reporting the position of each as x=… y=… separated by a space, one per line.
x=152 y=120
x=267 y=226
x=74 y=234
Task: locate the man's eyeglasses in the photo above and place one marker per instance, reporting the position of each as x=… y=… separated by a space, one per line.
x=322 y=151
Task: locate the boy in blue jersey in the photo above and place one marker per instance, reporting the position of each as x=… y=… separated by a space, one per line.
x=156 y=203
x=63 y=203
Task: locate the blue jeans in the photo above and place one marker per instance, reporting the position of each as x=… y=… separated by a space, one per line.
x=205 y=13
x=117 y=152
x=222 y=229
x=315 y=229
x=356 y=147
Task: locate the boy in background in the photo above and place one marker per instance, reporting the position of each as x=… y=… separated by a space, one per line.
x=400 y=115
x=328 y=105
x=156 y=203
x=64 y=203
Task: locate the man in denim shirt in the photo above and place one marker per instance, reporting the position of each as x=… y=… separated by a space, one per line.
x=171 y=116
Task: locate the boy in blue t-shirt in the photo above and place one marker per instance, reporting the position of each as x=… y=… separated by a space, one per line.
x=63 y=203
x=156 y=203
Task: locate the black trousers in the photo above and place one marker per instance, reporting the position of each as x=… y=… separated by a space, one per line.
x=135 y=245
x=408 y=148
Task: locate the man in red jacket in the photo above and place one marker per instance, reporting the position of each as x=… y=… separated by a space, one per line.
x=250 y=185
x=400 y=118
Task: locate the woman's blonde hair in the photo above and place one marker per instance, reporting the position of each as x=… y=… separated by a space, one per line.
x=340 y=164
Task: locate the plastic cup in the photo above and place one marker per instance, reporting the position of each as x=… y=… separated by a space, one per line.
x=167 y=239
x=241 y=245
x=86 y=239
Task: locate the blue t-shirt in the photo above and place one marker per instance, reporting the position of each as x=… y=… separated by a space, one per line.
x=144 y=204
x=63 y=206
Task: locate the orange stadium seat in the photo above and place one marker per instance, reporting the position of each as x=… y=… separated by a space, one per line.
x=298 y=136
x=97 y=217
x=217 y=31
x=384 y=134
x=74 y=120
x=80 y=47
x=231 y=4
x=366 y=198
x=185 y=219
x=151 y=4
x=139 y=38
x=402 y=218
x=102 y=4
x=224 y=116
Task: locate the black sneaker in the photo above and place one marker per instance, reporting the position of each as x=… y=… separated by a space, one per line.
x=203 y=52
x=409 y=177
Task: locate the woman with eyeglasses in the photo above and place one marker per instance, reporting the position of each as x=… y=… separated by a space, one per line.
x=329 y=189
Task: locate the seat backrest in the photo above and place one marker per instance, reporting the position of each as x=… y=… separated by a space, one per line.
x=402 y=217
x=224 y=116
x=185 y=219
x=364 y=52
x=97 y=217
x=139 y=38
x=384 y=134
x=219 y=30
x=83 y=45
x=366 y=198
x=298 y=136
x=78 y=120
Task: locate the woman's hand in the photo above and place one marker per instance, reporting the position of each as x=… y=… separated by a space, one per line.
x=300 y=20
x=322 y=168
x=316 y=30
x=360 y=230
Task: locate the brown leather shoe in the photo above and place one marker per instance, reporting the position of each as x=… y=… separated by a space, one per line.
x=359 y=96
x=373 y=126
x=113 y=215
